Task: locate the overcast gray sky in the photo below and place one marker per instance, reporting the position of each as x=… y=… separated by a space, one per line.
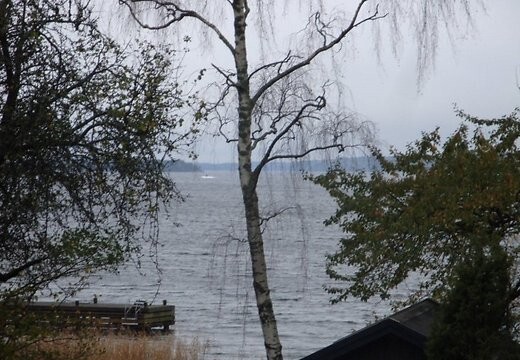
x=479 y=73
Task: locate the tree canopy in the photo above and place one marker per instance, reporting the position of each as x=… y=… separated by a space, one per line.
x=428 y=210
x=475 y=320
x=84 y=126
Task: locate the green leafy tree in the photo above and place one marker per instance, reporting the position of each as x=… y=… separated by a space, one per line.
x=474 y=322
x=85 y=125
x=448 y=214
x=428 y=210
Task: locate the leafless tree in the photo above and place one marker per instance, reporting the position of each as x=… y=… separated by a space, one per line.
x=278 y=114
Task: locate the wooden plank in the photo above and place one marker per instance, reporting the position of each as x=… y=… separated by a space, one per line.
x=137 y=315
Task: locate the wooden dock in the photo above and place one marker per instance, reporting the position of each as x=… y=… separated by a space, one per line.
x=139 y=315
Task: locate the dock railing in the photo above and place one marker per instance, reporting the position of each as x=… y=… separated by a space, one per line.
x=139 y=315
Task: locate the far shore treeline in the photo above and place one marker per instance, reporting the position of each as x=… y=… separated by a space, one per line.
x=350 y=163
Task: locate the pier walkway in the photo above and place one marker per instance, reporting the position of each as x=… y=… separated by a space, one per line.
x=139 y=315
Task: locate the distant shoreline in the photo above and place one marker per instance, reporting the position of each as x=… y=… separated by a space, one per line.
x=361 y=163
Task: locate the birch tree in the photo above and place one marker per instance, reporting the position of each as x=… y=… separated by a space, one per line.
x=269 y=108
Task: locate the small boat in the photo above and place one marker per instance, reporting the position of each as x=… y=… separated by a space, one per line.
x=206 y=176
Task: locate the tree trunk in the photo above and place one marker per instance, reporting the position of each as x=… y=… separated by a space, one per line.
x=263 y=297
x=248 y=182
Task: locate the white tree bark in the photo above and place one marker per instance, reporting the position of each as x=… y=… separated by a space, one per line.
x=280 y=129
x=280 y=107
x=248 y=182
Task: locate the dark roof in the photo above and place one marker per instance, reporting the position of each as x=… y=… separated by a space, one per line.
x=411 y=325
x=418 y=317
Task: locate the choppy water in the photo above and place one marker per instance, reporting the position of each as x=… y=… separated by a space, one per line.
x=206 y=271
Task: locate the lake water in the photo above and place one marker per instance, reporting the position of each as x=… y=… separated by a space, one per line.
x=206 y=275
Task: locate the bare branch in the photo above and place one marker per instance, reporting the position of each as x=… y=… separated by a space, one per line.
x=227 y=75
x=340 y=147
x=279 y=64
x=272 y=215
x=353 y=24
x=222 y=117
x=4 y=277
x=176 y=14
x=319 y=103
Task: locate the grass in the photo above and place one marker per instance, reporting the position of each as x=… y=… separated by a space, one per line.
x=142 y=347
x=120 y=347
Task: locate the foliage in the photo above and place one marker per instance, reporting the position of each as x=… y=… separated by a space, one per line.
x=84 y=127
x=428 y=210
x=475 y=321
